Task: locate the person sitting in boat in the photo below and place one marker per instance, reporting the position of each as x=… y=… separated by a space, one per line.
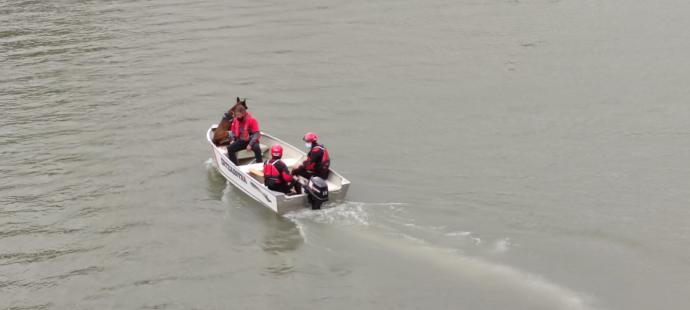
x=318 y=161
x=276 y=174
x=245 y=134
x=230 y=115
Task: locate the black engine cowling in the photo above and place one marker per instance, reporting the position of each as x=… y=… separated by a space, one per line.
x=317 y=192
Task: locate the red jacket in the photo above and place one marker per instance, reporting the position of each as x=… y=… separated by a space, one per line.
x=318 y=161
x=276 y=173
x=245 y=128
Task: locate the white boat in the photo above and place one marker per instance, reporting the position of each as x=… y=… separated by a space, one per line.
x=248 y=175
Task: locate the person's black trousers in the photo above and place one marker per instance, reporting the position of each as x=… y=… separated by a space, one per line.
x=239 y=145
x=303 y=173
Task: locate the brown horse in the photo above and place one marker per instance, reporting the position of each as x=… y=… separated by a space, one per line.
x=221 y=134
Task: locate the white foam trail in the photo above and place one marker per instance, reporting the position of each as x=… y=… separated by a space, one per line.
x=226 y=191
x=533 y=289
x=502 y=245
x=332 y=216
x=345 y=214
x=458 y=234
x=302 y=230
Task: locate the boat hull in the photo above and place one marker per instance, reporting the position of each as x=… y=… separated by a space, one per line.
x=280 y=203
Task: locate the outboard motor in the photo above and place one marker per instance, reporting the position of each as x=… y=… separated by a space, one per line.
x=317 y=192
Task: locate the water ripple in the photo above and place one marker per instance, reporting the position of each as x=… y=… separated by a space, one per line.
x=40 y=256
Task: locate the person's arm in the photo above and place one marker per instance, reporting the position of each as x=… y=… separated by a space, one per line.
x=254 y=129
x=253 y=138
x=315 y=155
x=285 y=172
x=306 y=161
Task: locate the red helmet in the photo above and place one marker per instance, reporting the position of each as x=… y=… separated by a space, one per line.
x=310 y=137
x=277 y=150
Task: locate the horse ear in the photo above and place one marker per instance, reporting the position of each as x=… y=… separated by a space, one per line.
x=238 y=99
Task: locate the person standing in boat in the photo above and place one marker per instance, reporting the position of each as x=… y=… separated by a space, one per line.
x=245 y=134
x=318 y=161
x=276 y=174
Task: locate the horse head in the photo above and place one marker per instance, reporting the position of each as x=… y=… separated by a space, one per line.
x=231 y=113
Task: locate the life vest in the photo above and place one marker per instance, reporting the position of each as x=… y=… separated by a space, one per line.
x=321 y=166
x=236 y=124
x=272 y=175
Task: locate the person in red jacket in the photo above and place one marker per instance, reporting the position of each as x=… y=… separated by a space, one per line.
x=318 y=161
x=276 y=174
x=245 y=134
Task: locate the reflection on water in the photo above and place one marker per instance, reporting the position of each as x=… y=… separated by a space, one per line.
x=216 y=182
x=282 y=236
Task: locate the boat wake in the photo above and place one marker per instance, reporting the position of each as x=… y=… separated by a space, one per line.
x=530 y=290
x=388 y=226
x=345 y=213
x=348 y=213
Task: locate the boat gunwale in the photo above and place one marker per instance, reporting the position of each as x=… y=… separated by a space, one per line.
x=280 y=198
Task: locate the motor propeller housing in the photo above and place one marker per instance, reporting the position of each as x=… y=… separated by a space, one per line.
x=317 y=192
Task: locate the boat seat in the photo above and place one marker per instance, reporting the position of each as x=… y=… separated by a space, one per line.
x=256 y=170
x=290 y=162
x=259 y=167
x=244 y=154
x=250 y=167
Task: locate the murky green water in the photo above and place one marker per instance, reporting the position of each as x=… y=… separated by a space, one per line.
x=504 y=154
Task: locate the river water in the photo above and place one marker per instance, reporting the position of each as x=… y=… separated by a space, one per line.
x=526 y=154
